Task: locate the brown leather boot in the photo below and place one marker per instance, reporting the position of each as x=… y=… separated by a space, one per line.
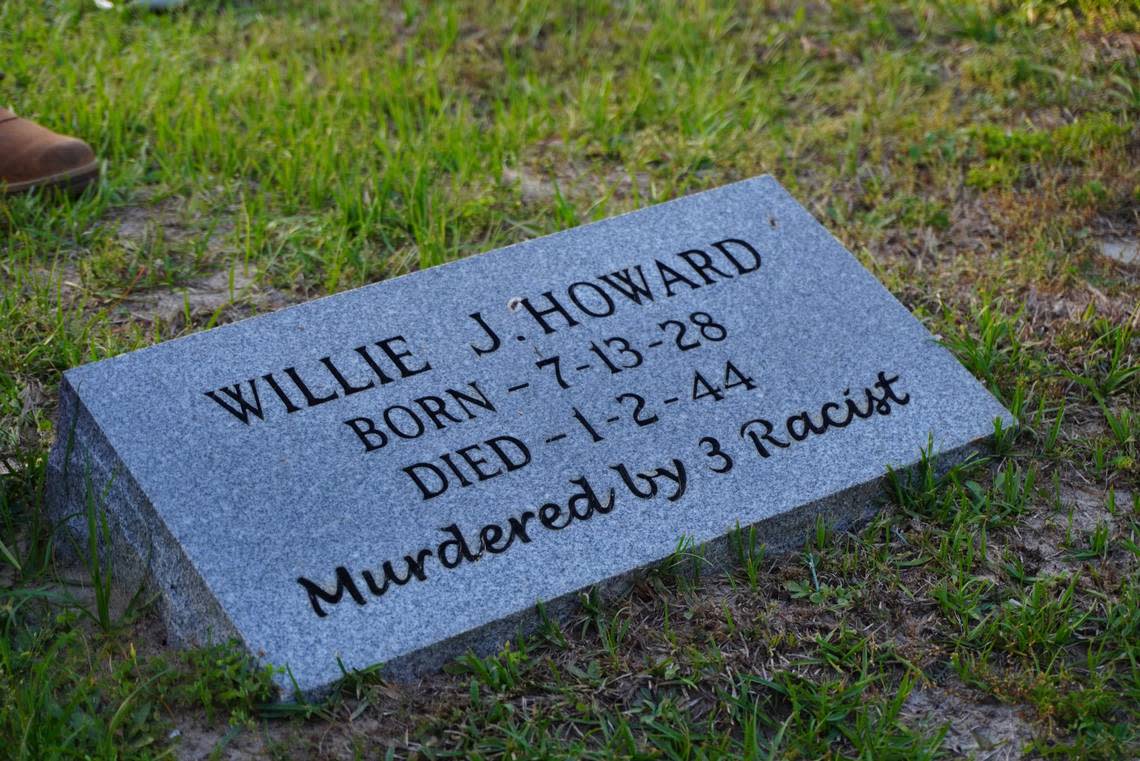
x=32 y=156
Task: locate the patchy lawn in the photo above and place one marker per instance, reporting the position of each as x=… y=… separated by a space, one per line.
x=982 y=159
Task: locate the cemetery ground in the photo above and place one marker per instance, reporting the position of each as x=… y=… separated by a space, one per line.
x=981 y=159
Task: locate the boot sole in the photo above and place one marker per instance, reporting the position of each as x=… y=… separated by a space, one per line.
x=71 y=180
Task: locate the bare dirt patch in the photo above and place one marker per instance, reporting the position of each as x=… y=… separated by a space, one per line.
x=1047 y=538
x=974 y=728
x=551 y=174
x=222 y=297
x=173 y=220
x=197 y=739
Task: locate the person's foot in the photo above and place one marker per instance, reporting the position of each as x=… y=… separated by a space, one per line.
x=32 y=156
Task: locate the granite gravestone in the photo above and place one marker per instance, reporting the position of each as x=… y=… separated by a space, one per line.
x=401 y=472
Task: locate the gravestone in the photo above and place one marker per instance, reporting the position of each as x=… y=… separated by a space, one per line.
x=401 y=472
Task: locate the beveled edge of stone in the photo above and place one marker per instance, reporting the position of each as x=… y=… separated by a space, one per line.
x=83 y=466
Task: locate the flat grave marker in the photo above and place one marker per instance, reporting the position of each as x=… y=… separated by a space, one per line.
x=400 y=472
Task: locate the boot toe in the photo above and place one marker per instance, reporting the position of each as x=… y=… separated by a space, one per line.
x=65 y=155
x=32 y=156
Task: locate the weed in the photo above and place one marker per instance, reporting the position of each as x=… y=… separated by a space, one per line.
x=98 y=555
x=996 y=355
x=499 y=673
x=749 y=553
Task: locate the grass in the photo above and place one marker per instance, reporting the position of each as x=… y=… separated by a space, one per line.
x=971 y=154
